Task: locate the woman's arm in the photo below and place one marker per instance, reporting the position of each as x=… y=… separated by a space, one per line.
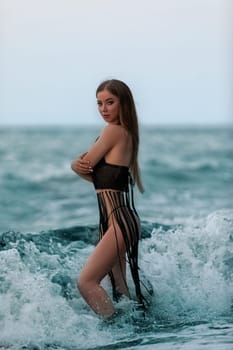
x=82 y=167
x=107 y=140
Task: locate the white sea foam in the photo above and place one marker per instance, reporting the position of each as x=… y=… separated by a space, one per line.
x=33 y=311
x=190 y=267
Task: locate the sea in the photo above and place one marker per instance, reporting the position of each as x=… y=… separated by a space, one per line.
x=49 y=227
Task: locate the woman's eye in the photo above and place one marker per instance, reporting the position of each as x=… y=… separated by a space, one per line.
x=110 y=102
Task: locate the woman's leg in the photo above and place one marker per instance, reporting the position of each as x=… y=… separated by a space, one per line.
x=101 y=261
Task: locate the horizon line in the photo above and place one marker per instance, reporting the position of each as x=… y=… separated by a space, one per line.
x=141 y=125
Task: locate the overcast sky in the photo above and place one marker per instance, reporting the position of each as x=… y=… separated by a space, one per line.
x=176 y=55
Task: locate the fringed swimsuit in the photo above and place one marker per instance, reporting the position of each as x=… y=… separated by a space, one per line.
x=116 y=207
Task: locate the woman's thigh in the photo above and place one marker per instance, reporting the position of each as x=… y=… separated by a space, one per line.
x=105 y=255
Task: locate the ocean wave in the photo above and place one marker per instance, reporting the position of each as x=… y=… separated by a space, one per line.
x=38 y=176
x=172 y=165
x=49 y=240
x=190 y=268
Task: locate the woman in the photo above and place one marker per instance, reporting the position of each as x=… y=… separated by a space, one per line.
x=107 y=165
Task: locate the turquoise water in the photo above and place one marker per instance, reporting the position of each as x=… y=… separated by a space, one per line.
x=49 y=224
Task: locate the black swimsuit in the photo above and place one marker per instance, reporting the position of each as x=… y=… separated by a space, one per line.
x=116 y=202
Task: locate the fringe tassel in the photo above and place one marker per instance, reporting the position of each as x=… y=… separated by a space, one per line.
x=120 y=205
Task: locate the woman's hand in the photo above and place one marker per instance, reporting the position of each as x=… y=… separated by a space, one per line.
x=82 y=166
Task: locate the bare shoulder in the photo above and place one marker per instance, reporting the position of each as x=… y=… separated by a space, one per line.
x=115 y=131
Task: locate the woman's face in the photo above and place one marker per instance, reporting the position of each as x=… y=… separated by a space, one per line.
x=108 y=106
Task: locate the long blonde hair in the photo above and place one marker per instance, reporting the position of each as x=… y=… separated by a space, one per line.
x=128 y=119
